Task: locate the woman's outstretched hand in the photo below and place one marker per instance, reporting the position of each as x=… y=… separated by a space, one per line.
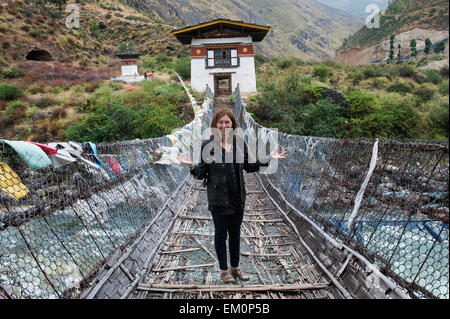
x=184 y=159
x=277 y=154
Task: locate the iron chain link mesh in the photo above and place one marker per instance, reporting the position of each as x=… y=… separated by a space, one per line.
x=56 y=237
x=402 y=222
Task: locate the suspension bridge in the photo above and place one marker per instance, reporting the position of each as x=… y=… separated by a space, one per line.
x=338 y=219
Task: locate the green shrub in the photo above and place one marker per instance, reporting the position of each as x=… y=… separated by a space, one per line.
x=370 y=71
x=357 y=76
x=394 y=7
x=173 y=93
x=432 y=76
x=260 y=60
x=148 y=62
x=183 y=67
x=406 y=70
x=12 y=73
x=440 y=47
x=36 y=32
x=33 y=89
x=3 y=62
x=400 y=87
x=332 y=64
x=360 y=103
x=162 y=58
x=380 y=83
x=422 y=62
x=403 y=120
x=184 y=53
x=154 y=121
x=322 y=72
x=420 y=78
x=322 y=119
x=424 y=92
x=15 y=106
x=104 y=94
x=94 y=27
x=438 y=122
x=109 y=123
x=284 y=63
x=16 y=110
x=9 y=92
x=443 y=88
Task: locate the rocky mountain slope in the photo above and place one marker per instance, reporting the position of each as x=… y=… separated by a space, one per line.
x=300 y=28
x=400 y=16
x=380 y=51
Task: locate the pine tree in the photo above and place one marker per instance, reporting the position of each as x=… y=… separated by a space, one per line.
x=427 y=46
x=412 y=45
x=391 y=52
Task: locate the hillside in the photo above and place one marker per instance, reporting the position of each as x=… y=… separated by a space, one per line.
x=306 y=29
x=27 y=25
x=396 y=101
x=401 y=16
x=55 y=81
x=48 y=72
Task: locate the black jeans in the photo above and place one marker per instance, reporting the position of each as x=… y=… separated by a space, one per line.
x=231 y=224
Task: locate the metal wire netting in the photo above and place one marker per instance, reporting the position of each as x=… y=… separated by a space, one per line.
x=401 y=221
x=72 y=219
x=58 y=226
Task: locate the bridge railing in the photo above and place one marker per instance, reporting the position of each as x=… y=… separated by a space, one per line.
x=59 y=225
x=386 y=199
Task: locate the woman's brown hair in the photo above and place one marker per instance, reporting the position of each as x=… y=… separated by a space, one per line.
x=221 y=113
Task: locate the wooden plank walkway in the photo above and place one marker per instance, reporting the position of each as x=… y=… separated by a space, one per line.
x=271 y=254
x=285 y=254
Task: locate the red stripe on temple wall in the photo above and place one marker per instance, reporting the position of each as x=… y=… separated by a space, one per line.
x=245 y=49
x=198 y=51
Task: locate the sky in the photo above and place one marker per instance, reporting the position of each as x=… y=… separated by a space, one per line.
x=355 y=7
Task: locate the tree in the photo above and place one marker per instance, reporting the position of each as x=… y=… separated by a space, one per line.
x=183 y=67
x=427 y=46
x=440 y=47
x=391 y=52
x=399 y=54
x=412 y=45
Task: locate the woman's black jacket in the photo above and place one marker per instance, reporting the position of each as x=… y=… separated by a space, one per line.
x=216 y=175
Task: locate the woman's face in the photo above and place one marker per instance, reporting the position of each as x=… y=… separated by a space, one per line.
x=224 y=123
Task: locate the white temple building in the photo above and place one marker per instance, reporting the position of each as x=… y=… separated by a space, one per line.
x=222 y=54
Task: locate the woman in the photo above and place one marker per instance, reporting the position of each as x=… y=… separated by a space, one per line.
x=226 y=188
